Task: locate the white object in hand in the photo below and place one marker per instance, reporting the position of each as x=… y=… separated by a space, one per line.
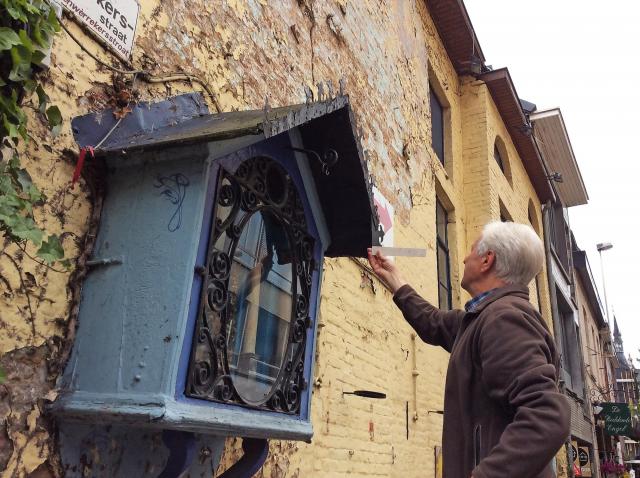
x=399 y=251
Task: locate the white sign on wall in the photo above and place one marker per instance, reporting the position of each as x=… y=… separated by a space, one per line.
x=385 y=214
x=113 y=21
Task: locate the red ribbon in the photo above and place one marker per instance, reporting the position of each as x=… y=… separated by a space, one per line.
x=80 y=163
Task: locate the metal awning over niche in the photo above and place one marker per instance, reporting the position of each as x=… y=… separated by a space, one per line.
x=345 y=194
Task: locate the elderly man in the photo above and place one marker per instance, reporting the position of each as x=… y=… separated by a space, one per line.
x=503 y=414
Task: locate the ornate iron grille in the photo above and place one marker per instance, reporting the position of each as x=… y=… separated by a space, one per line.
x=260 y=186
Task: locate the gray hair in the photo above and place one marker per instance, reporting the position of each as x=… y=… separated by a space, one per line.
x=518 y=249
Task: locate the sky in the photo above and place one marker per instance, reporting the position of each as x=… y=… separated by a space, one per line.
x=584 y=58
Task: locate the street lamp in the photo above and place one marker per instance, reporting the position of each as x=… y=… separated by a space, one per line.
x=604 y=246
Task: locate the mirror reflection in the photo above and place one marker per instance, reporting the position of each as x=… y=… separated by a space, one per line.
x=261 y=292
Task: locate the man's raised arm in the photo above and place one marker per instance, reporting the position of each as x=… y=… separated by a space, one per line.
x=434 y=326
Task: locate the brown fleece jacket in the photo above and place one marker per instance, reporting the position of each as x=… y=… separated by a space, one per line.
x=503 y=414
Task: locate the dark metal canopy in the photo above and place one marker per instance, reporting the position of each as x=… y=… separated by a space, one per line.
x=345 y=194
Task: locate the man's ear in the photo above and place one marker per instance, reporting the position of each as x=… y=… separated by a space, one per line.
x=488 y=260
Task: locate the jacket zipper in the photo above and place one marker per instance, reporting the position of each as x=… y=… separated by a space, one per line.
x=477 y=444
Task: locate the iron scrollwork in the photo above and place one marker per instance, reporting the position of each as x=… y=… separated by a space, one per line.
x=603 y=394
x=258 y=186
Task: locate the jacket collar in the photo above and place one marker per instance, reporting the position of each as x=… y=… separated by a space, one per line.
x=512 y=289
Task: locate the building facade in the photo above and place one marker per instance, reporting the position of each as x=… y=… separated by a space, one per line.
x=595 y=341
x=551 y=135
x=447 y=142
x=626 y=391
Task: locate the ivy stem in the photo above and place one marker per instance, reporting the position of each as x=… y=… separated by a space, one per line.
x=26 y=293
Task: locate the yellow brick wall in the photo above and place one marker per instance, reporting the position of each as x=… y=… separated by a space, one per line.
x=249 y=51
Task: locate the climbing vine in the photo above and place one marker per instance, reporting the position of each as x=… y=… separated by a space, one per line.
x=27 y=28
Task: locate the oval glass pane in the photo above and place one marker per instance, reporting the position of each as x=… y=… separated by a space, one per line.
x=260 y=293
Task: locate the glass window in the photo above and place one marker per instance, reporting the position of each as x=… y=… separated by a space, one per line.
x=444 y=273
x=498 y=157
x=437 y=125
x=571 y=357
x=504 y=214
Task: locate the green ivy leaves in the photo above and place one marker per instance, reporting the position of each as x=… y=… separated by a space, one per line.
x=26 y=31
x=8 y=38
x=55 y=119
x=51 y=250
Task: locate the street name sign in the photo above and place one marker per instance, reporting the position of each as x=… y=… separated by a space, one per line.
x=113 y=22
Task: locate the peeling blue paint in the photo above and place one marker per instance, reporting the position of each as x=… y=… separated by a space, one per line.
x=145 y=117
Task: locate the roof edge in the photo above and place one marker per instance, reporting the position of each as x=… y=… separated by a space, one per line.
x=521 y=133
x=557 y=112
x=461 y=43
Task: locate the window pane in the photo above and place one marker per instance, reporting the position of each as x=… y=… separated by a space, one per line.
x=443 y=269
x=498 y=158
x=437 y=125
x=444 y=302
x=442 y=257
x=260 y=288
x=441 y=222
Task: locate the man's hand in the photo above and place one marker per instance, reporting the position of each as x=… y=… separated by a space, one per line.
x=386 y=270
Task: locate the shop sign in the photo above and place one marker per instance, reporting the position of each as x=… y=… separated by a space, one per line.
x=112 y=21
x=585 y=461
x=617 y=418
x=574 y=453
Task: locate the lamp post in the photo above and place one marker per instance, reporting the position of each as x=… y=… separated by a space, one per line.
x=604 y=246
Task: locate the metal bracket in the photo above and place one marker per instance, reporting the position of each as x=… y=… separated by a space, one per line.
x=182 y=450
x=110 y=261
x=255 y=454
x=329 y=158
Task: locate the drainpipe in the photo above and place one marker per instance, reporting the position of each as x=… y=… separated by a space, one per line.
x=414 y=376
x=554 y=315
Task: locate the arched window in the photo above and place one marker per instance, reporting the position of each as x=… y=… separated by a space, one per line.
x=533 y=217
x=502 y=158
x=498 y=157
